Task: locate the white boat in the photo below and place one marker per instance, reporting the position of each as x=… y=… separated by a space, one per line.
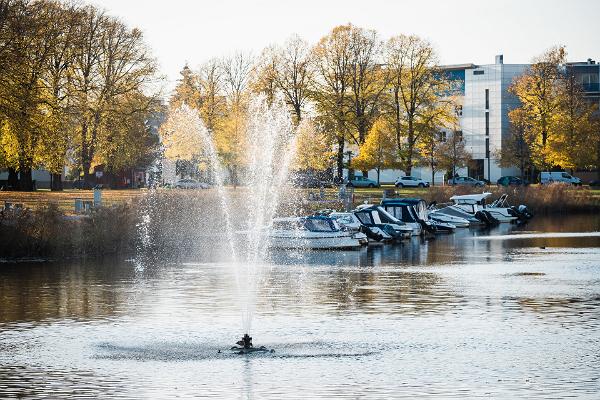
x=473 y=207
x=440 y=217
x=372 y=215
x=316 y=232
x=350 y=221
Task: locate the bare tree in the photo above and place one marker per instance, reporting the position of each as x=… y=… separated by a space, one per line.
x=236 y=76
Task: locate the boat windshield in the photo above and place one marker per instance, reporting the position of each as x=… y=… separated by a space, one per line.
x=320 y=225
x=375 y=216
x=364 y=218
x=389 y=216
x=288 y=225
x=344 y=219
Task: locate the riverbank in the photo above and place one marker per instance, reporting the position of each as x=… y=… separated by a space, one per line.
x=166 y=223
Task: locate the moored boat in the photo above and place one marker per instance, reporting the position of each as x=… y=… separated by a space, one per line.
x=314 y=232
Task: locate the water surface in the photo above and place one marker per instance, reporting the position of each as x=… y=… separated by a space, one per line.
x=475 y=314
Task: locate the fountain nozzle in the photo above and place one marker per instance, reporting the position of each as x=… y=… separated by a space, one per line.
x=246 y=342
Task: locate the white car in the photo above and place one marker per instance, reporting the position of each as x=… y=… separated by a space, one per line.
x=411 y=181
x=558 y=177
x=191 y=184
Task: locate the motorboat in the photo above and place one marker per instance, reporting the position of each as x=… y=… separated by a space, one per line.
x=416 y=210
x=442 y=218
x=473 y=207
x=351 y=222
x=314 y=232
x=404 y=212
x=375 y=216
x=438 y=217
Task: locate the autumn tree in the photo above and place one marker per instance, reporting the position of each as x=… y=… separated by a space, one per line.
x=516 y=149
x=31 y=36
x=213 y=105
x=313 y=148
x=187 y=91
x=430 y=148
x=453 y=152
x=111 y=62
x=572 y=146
x=368 y=79
x=332 y=57
x=538 y=92
x=230 y=140
x=378 y=151
x=418 y=89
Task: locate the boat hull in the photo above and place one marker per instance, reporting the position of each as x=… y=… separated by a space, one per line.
x=317 y=242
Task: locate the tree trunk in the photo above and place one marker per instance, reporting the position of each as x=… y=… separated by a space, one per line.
x=378 y=173
x=366 y=173
x=13 y=179
x=25 y=179
x=409 y=162
x=432 y=176
x=56 y=183
x=340 y=159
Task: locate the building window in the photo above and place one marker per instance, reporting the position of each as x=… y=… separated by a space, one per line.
x=487 y=124
x=487 y=99
x=478 y=72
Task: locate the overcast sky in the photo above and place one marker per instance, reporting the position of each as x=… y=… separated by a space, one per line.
x=180 y=31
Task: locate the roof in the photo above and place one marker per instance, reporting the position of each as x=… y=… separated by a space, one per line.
x=473 y=197
x=403 y=201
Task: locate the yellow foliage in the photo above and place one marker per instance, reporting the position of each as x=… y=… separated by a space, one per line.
x=379 y=149
x=313 y=148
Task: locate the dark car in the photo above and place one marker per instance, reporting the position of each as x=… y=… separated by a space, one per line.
x=81 y=184
x=308 y=181
x=465 y=181
x=512 y=181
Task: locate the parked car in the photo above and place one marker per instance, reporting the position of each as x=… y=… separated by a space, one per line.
x=465 y=180
x=308 y=181
x=512 y=181
x=558 y=177
x=411 y=181
x=82 y=185
x=362 y=181
x=191 y=184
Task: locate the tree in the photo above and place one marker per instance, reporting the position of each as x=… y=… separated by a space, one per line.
x=332 y=56
x=368 y=80
x=187 y=91
x=30 y=39
x=378 y=150
x=183 y=134
x=110 y=64
x=430 y=151
x=213 y=105
x=313 y=148
x=517 y=147
x=418 y=89
x=538 y=91
x=454 y=154
x=572 y=145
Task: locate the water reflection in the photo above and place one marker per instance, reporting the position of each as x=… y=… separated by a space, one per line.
x=459 y=316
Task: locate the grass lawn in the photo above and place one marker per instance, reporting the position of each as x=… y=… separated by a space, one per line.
x=65 y=199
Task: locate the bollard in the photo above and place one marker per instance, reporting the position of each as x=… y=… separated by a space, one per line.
x=97 y=198
x=78 y=205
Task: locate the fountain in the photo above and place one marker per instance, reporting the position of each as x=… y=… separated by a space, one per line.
x=268 y=148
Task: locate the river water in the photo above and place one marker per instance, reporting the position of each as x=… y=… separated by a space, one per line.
x=509 y=313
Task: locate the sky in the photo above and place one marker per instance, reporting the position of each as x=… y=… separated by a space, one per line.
x=188 y=31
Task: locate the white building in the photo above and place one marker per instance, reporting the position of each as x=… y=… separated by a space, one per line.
x=484 y=121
